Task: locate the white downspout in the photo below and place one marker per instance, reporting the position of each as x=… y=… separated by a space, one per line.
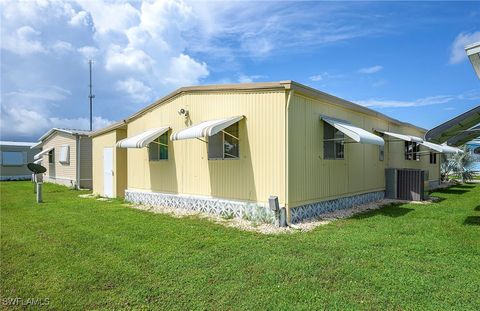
x=78 y=161
x=287 y=106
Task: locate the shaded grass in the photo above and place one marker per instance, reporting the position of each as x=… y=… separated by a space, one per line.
x=89 y=254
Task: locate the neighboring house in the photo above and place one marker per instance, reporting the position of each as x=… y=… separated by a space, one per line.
x=67 y=155
x=14 y=156
x=226 y=149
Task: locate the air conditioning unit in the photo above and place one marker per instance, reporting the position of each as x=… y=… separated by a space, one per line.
x=406 y=184
x=411 y=185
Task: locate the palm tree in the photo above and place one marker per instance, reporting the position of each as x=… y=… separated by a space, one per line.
x=458 y=164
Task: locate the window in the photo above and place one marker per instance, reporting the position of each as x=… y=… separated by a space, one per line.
x=14 y=158
x=433 y=158
x=333 y=147
x=225 y=144
x=65 y=154
x=158 y=149
x=51 y=156
x=416 y=150
x=412 y=151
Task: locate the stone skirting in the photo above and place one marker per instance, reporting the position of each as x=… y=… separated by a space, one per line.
x=313 y=210
x=226 y=208
x=17 y=177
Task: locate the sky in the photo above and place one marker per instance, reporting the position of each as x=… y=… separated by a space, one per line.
x=406 y=60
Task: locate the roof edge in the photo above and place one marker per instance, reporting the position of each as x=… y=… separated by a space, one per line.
x=309 y=91
x=212 y=88
x=56 y=129
x=280 y=85
x=108 y=128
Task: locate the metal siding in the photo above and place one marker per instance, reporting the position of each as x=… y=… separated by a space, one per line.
x=258 y=173
x=86 y=162
x=65 y=174
x=310 y=177
x=120 y=157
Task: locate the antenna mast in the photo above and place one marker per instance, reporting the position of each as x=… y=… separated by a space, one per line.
x=91 y=96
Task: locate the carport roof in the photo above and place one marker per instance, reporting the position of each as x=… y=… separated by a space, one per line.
x=457 y=131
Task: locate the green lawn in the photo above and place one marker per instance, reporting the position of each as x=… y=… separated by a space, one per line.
x=87 y=254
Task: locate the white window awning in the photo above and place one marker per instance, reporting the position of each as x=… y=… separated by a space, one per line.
x=205 y=129
x=358 y=134
x=435 y=147
x=450 y=149
x=41 y=153
x=143 y=139
x=441 y=148
x=404 y=137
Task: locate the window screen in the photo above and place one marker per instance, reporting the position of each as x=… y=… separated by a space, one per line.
x=333 y=147
x=416 y=154
x=412 y=151
x=14 y=158
x=225 y=145
x=65 y=154
x=230 y=142
x=158 y=149
x=433 y=158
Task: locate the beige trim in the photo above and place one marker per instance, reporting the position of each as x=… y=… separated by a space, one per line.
x=115 y=126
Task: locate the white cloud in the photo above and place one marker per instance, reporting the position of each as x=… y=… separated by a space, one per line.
x=323 y=76
x=50 y=93
x=19 y=118
x=316 y=78
x=127 y=59
x=110 y=16
x=457 y=50
x=137 y=90
x=80 y=18
x=248 y=79
x=23 y=41
x=425 y=101
x=62 y=47
x=184 y=70
x=88 y=52
x=370 y=70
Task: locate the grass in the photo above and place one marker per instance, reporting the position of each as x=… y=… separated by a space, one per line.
x=88 y=254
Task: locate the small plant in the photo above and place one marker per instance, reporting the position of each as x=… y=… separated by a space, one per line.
x=228 y=215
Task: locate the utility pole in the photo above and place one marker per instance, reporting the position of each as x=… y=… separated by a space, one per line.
x=91 y=96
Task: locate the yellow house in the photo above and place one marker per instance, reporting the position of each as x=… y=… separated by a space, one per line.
x=226 y=149
x=67 y=156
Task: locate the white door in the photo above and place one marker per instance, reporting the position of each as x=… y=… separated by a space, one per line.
x=108 y=172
